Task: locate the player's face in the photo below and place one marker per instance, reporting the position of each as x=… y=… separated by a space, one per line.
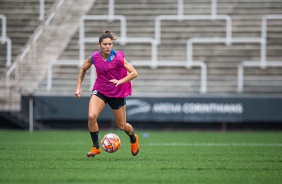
x=106 y=46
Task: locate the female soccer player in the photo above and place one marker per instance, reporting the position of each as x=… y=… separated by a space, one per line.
x=112 y=85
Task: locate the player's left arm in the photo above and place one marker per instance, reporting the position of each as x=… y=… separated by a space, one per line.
x=132 y=74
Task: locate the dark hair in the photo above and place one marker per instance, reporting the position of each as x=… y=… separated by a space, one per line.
x=107 y=34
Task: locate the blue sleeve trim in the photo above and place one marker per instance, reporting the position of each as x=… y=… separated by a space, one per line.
x=92 y=60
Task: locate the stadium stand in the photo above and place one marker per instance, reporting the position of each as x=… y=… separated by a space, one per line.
x=169 y=78
x=41 y=43
x=57 y=54
x=22 y=18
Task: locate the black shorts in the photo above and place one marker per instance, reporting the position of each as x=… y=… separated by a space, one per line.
x=115 y=103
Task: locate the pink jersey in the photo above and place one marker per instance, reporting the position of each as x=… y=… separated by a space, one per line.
x=113 y=68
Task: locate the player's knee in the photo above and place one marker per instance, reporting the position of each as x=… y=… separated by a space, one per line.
x=92 y=117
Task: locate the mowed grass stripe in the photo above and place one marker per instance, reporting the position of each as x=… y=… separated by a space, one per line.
x=165 y=144
x=216 y=144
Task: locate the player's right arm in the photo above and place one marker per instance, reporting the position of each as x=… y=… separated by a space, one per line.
x=86 y=65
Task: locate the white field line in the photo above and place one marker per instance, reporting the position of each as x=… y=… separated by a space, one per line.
x=216 y=144
x=164 y=144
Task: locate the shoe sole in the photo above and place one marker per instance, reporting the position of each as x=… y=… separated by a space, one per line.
x=91 y=155
x=134 y=154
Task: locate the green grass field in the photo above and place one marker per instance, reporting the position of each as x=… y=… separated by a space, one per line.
x=164 y=157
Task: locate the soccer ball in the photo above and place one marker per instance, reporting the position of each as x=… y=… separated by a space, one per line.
x=111 y=142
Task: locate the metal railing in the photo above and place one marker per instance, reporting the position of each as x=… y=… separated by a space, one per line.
x=4 y=28
x=98 y=17
x=189 y=53
x=180 y=7
x=180 y=17
x=4 y=39
x=221 y=40
x=154 y=62
x=263 y=63
x=110 y=18
x=252 y=64
x=50 y=70
x=41 y=10
x=29 y=50
x=192 y=17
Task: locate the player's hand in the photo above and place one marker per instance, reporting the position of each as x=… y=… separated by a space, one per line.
x=115 y=81
x=77 y=93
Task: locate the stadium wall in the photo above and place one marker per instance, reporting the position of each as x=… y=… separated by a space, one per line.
x=152 y=112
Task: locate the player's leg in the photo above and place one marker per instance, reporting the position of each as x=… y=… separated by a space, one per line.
x=120 y=118
x=96 y=105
